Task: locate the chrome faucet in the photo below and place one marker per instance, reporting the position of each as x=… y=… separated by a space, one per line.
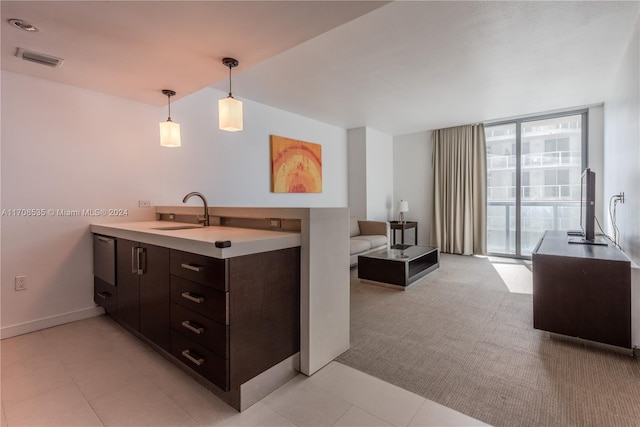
x=206 y=206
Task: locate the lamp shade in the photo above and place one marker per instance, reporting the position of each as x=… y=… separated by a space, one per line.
x=169 y=134
x=230 y=114
x=403 y=206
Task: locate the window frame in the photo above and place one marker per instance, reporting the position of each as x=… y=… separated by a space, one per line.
x=520 y=123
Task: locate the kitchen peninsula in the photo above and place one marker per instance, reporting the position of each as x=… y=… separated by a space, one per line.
x=321 y=290
x=200 y=240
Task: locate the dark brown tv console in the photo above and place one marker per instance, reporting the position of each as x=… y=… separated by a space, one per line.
x=582 y=291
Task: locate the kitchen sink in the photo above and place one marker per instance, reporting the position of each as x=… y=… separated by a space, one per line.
x=177 y=227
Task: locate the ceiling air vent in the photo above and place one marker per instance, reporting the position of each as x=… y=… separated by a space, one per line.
x=39 y=58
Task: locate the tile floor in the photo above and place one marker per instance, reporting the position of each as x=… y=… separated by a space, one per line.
x=93 y=373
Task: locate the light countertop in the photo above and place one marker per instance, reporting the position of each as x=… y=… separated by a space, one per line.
x=201 y=240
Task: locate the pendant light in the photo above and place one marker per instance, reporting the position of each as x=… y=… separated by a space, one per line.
x=229 y=108
x=169 y=130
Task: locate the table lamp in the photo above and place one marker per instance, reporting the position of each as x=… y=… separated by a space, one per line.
x=403 y=206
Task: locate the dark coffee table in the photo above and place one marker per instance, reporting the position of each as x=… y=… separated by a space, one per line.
x=399 y=266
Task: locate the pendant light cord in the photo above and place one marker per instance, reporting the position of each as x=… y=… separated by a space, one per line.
x=230 y=81
x=168 y=93
x=169 y=118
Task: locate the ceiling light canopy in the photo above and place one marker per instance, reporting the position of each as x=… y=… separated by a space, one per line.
x=23 y=25
x=229 y=108
x=169 y=130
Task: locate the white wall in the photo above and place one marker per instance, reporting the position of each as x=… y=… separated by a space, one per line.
x=622 y=146
x=66 y=148
x=596 y=158
x=357 y=172
x=413 y=180
x=234 y=168
x=379 y=175
x=370 y=174
x=69 y=148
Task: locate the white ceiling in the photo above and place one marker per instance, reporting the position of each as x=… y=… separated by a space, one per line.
x=400 y=67
x=411 y=66
x=134 y=49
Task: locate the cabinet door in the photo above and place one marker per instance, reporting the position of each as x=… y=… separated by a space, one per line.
x=264 y=293
x=155 y=296
x=127 y=283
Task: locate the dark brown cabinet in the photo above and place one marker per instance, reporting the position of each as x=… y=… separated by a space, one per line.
x=142 y=277
x=226 y=319
x=200 y=315
x=264 y=311
x=582 y=291
x=232 y=319
x=128 y=285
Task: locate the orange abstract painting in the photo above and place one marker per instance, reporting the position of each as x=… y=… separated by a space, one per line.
x=296 y=166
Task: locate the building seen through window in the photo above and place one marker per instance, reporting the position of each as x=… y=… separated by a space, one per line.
x=547 y=156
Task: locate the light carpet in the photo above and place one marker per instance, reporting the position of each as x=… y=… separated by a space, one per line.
x=459 y=337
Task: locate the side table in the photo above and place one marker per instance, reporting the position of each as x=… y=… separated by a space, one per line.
x=406 y=225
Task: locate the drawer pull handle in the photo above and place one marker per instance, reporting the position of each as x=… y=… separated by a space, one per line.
x=104 y=295
x=137 y=263
x=195 y=268
x=195 y=298
x=195 y=359
x=193 y=327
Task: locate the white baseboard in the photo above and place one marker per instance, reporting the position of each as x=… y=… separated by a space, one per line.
x=49 y=322
x=268 y=381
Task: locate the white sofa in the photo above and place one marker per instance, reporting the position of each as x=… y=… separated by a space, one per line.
x=367 y=236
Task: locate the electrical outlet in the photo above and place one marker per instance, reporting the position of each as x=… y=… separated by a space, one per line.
x=274 y=222
x=144 y=203
x=21 y=283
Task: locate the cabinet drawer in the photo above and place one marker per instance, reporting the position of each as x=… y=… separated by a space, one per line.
x=105 y=295
x=200 y=359
x=201 y=299
x=104 y=258
x=201 y=329
x=201 y=269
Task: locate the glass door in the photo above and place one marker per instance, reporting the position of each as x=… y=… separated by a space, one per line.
x=533 y=180
x=501 y=188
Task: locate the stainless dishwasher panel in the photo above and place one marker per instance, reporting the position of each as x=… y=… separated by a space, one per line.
x=104 y=258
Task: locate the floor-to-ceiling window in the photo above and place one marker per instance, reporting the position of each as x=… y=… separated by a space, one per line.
x=533 y=179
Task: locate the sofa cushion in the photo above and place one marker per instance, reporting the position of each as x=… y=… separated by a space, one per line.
x=358 y=245
x=374 y=240
x=354 y=228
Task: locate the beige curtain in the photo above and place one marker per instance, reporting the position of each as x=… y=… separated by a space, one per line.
x=460 y=190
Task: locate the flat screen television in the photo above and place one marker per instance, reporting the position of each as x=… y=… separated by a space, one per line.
x=588 y=204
